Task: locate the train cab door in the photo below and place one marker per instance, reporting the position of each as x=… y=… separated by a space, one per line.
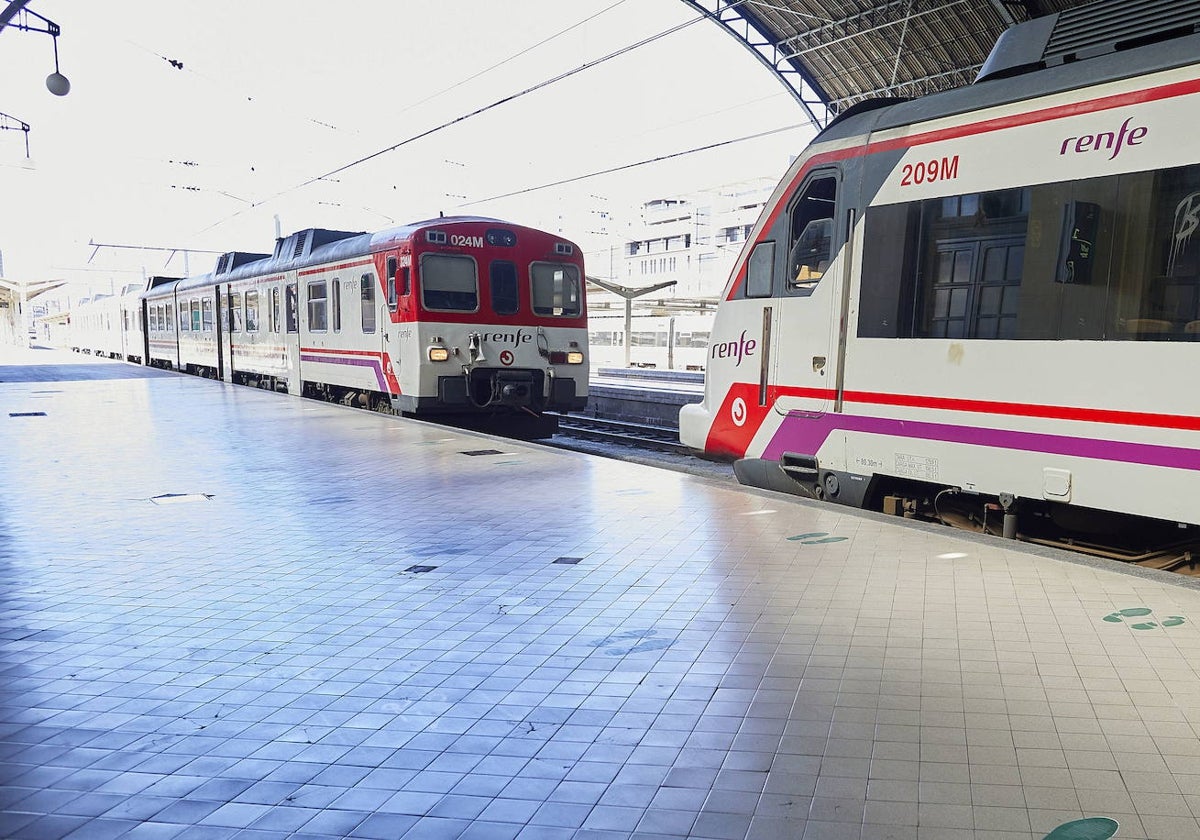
x=388 y=334
x=396 y=317
x=803 y=333
x=291 y=336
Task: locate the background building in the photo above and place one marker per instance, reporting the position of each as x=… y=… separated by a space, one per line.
x=689 y=242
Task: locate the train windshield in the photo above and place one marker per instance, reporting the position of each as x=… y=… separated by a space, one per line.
x=449 y=283
x=556 y=290
x=506 y=298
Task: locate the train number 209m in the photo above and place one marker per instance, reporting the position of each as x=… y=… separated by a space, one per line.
x=923 y=172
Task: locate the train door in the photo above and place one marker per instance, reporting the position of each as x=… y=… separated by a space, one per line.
x=801 y=333
x=291 y=338
x=387 y=315
x=144 y=315
x=220 y=313
x=395 y=318
x=225 y=323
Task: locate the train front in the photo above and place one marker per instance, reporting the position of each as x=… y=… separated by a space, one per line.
x=493 y=318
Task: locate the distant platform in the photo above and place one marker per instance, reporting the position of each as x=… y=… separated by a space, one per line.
x=643 y=395
x=231 y=613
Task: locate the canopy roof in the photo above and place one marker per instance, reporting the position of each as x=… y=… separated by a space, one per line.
x=833 y=53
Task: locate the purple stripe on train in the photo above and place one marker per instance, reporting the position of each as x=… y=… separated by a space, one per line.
x=806 y=434
x=349 y=360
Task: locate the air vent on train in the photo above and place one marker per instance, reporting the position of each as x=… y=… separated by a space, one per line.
x=435 y=237
x=1099 y=28
x=301 y=238
x=564 y=249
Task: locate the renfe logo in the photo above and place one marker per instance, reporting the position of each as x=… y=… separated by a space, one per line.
x=729 y=349
x=515 y=339
x=1106 y=140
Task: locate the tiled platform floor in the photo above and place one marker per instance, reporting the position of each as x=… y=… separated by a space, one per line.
x=260 y=657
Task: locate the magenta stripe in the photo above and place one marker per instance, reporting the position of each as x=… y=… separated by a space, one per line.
x=350 y=360
x=805 y=435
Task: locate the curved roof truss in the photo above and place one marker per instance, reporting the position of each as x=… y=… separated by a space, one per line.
x=830 y=54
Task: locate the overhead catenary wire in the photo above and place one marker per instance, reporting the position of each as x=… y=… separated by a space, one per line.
x=513 y=57
x=476 y=112
x=646 y=162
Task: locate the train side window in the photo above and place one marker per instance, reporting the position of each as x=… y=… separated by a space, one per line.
x=556 y=290
x=318 y=306
x=449 y=283
x=206 y=314
x=505 y=291
x=185 y=317
x=366 y=297
x=405 y=281
x=811 y=235
x=392 y=282
x=235 y=312
x=292 y=308
x=169 y=322
x=194 y=306
x=760 y=270
x=273 y=312
x=251 y=311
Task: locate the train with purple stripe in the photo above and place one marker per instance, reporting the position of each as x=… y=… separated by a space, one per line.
x=469 y=320
x=983 y=305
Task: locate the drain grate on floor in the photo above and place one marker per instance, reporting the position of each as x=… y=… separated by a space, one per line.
x=568 y=561
x=483 y=452
x=179 y=498
x=416 y=570
x=26 y=414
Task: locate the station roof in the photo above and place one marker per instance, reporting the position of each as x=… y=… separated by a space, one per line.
x=834 y=53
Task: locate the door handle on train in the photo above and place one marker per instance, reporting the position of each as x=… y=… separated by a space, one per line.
x=819 y=365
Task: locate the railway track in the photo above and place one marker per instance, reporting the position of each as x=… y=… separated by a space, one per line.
x=637 y=435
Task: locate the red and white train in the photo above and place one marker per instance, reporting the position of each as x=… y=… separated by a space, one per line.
x=985 y=300
x=467 y=319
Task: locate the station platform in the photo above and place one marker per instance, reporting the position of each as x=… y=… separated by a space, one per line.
x=227 y=613
x=648 y=396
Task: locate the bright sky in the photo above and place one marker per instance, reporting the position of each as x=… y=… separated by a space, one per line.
x=275 y=93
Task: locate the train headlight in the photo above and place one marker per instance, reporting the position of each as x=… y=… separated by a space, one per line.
x=438 y=354
x=566 y=357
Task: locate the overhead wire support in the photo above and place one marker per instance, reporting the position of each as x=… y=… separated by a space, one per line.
x=21 y=125
x=56 y=82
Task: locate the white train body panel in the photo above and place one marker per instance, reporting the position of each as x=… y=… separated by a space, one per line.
x=1010 y=304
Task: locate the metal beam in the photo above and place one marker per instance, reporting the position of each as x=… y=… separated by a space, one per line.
x=736 y=18
x=10 y=12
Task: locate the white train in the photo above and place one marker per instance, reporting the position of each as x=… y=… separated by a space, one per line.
x=469 y=319
x=110 y=325
x=985 y=300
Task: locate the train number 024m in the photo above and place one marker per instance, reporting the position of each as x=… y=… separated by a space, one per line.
x=468 y=241
x=926 y=172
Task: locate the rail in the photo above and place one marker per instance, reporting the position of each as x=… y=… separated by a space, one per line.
x=658 y=438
